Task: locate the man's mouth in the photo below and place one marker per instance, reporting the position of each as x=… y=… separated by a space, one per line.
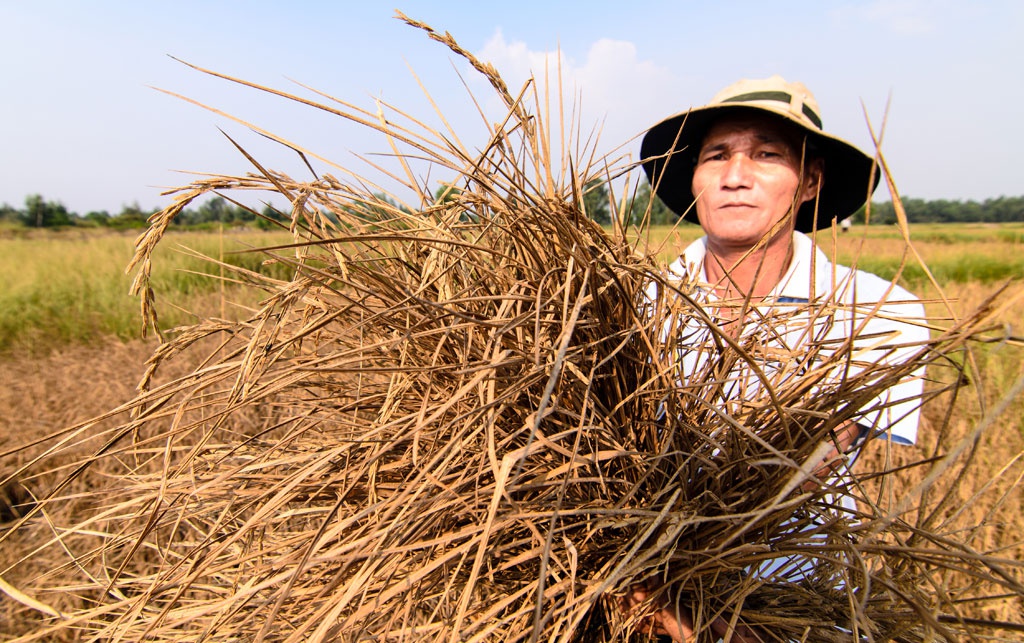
x=736 y=205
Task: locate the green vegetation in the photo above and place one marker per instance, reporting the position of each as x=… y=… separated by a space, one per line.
x=955 y=254
x=71 y=287
x=999 y=210
x=965 y=268
x=40 y=213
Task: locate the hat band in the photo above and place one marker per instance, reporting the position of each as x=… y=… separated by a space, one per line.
x=780 y=97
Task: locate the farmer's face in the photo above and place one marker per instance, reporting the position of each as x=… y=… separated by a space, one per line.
x=747 y=180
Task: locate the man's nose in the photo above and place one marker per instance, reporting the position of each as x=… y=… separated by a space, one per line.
x=738 y=171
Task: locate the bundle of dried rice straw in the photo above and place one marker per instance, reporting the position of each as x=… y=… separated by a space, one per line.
x=464 y=421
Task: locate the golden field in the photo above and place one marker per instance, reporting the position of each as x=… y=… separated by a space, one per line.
x=70 y=346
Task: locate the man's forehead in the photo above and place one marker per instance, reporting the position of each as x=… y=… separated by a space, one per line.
x=760 y=128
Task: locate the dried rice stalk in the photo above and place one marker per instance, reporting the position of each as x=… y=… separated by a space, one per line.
x=465 y=422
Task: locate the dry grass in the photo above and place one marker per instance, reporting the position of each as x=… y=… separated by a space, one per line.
x=977 y=499
x=467 y=423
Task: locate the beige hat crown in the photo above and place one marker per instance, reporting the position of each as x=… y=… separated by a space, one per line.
x=791 y=100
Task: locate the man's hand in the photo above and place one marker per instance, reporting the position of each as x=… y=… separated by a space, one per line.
x=676 y=621
x=664 y=622
x=835 y=462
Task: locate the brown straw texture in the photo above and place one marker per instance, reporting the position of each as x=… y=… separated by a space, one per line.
x=463 y=420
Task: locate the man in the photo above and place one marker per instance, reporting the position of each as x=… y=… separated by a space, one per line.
x=756 y=170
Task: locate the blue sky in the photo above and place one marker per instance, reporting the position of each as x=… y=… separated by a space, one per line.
x=81 y=123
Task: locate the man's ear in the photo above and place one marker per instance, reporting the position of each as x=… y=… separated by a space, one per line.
x=813 y=177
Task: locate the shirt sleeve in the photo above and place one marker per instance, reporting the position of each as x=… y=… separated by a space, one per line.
x=894 y=334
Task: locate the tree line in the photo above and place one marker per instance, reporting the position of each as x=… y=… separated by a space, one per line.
x=1002 y=209
x=42 y=213
x=39 y=212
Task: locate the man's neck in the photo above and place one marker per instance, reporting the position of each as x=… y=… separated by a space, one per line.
x=739 y=273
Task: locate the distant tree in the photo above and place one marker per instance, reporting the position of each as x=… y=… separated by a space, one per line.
x=131 y=216
x=270 y=218
x=595 y=201
x=880 y=214
x=35 y=211
x=186 y=217
x=1004 y=209
x=40 y=213
x=98 y=217
x=999 y=210
x=213 y=210
x=446 y=193
x=645 y=205
x=9 y=213
x=242 y=214
x=378 y=207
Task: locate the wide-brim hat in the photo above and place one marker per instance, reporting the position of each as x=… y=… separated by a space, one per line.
x=669 y=150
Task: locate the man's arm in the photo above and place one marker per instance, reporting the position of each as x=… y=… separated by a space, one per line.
x=834 y=464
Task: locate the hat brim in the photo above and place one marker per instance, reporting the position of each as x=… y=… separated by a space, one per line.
x=669 y=155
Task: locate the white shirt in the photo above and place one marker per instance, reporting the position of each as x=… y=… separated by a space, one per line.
x=816 y=307
x=798 y=338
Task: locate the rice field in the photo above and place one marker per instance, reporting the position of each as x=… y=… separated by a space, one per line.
x=979 y=253
x=71 y=332
x=70 y=287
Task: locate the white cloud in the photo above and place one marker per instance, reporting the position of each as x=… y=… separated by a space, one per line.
x=906 y=17
x=617 y=91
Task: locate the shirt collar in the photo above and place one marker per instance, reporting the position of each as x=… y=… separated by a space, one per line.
x=807 y=261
